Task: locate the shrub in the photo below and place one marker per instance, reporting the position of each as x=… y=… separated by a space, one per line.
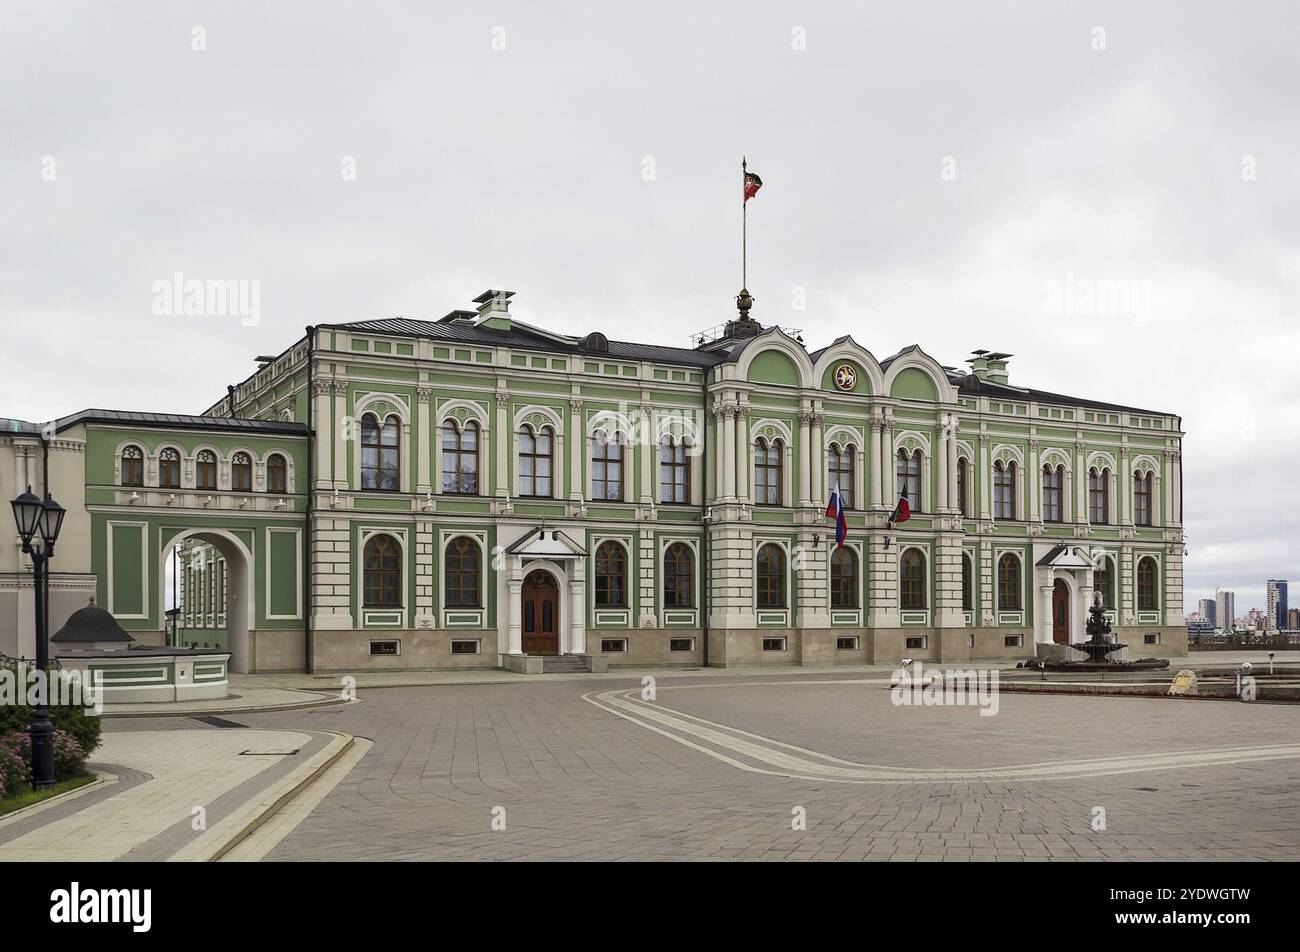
x=69 y=756
x=17 y=719
x=15 y=770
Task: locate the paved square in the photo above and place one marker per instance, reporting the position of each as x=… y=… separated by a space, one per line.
x=575 y=780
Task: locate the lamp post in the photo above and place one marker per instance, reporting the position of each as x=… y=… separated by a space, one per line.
x=44 y=518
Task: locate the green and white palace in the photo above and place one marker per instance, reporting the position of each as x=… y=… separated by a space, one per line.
x=479 y=492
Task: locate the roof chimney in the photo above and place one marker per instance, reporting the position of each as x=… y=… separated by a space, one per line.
x=989 y=365
x=494 y=309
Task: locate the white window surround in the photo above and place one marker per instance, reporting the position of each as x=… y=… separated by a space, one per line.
x=769 y=429
x=462 y=412
x=364 y=535
x=537 y=416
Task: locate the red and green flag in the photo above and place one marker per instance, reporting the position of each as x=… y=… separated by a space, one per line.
x=752 y=184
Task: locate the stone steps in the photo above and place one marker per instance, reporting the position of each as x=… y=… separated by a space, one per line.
x=563 y=664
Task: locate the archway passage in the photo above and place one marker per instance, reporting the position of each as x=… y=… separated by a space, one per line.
x=541 y=606
x=212 y=589
x=1061 y=613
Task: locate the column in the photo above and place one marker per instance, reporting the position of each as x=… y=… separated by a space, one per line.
x=805 y=457
x=1043 y=623
x=720 y=464
x=1034 y=482
x=578 y=612
x=1125 y=479
x=817 y=452
x=648 y=447
x=743 y=454
x=1176 y=488
x=321 y=424
x=503 y=445
x=577 y=440
x=1163 y=494
x=1080 y=484
x=515 y=586
x=953 y=502
x=885 y=463
x=985 y=479
x=728 y=488
x=428 y=442
x=941 y=496
x=342 y=476
x=874 y=463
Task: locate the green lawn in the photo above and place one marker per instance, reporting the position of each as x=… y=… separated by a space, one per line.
x=27 y=798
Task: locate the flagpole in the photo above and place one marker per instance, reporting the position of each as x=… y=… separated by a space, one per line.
x=744 y=224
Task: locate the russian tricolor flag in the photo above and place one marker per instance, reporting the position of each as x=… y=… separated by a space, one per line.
x=835 y=510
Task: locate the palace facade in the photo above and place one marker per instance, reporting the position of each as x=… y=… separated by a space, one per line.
x=476 y=491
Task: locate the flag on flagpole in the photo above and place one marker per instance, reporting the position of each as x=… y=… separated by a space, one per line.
x=835 y=510
x=903 y=511
x=752 y=184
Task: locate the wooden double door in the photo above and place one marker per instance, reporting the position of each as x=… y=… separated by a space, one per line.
x=1061 y=613
x=541 y=606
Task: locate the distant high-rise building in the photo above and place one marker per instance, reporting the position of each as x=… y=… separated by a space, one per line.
x=1206 y=608
x=1276 y=610
x=1225 y=609
x=1293 y=619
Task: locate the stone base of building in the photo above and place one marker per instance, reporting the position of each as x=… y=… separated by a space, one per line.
x=374 y=649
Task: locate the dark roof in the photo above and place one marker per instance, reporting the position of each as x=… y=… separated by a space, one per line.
x=91 y=625
x=520 y=336
x=178 y=421
x=971 y=384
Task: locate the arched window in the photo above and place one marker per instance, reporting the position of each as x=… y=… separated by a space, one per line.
x=967 y=584
x=241 y=473
x=1142 y=498
x=674 y=470
x=1103 y=581
x=611 y=576
x=277 y=474
x=607 y=466
x=1146 y=584
x=767 y=472
x=963 y=484
x=132 y=466
x=1053 y=481
x=839 y=471
x=205 y=470
x=535 y=461
x=770 y=576
x=909 y=477
x=460 y=458
x=679 y=576
x=1009 y=583
x=844 y=578
x=380 y=453
x=462 y=570
x=169 y=469
x=911 y=580
x=1004 y=490
x=1098 y=496
x=381 y=571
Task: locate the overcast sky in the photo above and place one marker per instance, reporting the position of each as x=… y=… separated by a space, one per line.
x=956 y=175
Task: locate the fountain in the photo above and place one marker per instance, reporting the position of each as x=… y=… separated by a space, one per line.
x=1101 y=644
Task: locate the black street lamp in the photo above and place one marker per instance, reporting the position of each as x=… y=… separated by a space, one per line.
x=45 y=518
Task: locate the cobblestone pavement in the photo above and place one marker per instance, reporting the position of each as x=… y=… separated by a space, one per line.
x=575 y=781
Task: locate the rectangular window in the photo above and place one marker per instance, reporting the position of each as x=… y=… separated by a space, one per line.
x=1052 y=479
x=674 y=471
x=846 y=643
x=1151 y=638
x=773 y=644
x=916 y=642
x=385 y=647
x=1013 y=641
x=464 y=646
x=1004 y=491
x=613 y=645
x=1142 y=500
x=607 y=467
x=1099 y=497
x=681 y=644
